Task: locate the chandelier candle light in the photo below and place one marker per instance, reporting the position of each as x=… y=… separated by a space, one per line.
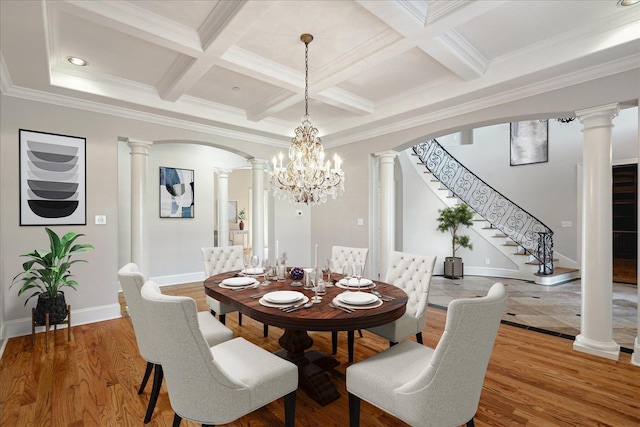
x=307 y=178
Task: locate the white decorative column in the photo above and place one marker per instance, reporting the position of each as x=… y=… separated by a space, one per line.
x=386 y=161
x=257 y=216
x=139 y=243
x=223 y=206
x=596 y=322
x=635 y=358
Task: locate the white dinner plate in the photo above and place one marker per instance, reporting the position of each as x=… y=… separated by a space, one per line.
x=357 y=298
x=283 y=297
x=354 y=282
x=239 y=281
x=253 y=271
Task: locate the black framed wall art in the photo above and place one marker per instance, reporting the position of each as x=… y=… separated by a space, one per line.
x=529 y=142
x=52 y=171
x=176 y=193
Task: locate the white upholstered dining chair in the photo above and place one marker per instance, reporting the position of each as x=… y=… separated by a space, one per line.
x=214 y=385
x=131 y=280
x=411 y=273
x=341 y=255
x=433 y=387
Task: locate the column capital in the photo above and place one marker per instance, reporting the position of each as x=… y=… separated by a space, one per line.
x=598 y=116
x=138 y=146
x=221 y=172
x=257 y=162
x=389 y=154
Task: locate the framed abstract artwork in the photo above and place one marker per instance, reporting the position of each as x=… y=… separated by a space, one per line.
x=176 y=193
x=529 y=142
x=233 y=211
x=53 y=176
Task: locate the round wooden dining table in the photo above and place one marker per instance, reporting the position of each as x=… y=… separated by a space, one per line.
x=312 y=365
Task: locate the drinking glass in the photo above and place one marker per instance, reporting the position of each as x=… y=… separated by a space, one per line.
x=255 y=262
x=347 y=272
x=247 y=262
x=317 y=283
x=327 y=268
x=266 y=270
x=358 y=269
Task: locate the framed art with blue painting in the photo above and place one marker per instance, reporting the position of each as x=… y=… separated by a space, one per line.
x=176 y=193
x=52 y=179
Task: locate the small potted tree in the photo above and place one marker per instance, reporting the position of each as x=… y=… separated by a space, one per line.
x=47 y=271
x=242 y=215
x=450 y=220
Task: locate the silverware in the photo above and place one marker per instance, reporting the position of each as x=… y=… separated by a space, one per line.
x=257 y=296
x=382 y=297
x=254 y=286
x=298 y=307
x=291 y=306
x=345 y=309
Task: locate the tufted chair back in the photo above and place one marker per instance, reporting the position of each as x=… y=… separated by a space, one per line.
x=412 y=273
x=340 y=255
x=433 y=387
x=221 y=259
x=131 y=281
x=213 y=385
x=187 y=361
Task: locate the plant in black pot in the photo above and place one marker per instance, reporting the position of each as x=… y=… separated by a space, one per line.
x=450 y=220
x=47 y=271
x=242 y=215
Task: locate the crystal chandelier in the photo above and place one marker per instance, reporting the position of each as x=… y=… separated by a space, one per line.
x=307 y=178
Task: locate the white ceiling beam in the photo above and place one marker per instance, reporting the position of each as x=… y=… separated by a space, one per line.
x=457 y=54
x=226 y=23
x=133 y=20
x=435 y=36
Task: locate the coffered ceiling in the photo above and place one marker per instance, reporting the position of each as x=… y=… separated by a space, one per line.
x=237 y=67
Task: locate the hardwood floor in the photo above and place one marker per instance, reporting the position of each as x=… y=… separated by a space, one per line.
x=532 y=380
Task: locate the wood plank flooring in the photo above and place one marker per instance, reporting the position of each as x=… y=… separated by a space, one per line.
x=532 y=380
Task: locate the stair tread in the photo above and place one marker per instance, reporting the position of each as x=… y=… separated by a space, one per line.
x=558 y=271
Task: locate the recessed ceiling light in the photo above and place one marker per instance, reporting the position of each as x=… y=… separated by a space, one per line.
x=235 y=88
x=627 y=2
x=77 y=61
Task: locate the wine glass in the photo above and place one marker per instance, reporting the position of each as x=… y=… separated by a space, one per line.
x=347 y=272
x=327 y=268
x=358 y=269
x=266 y=269
x=255 y=262
x=247 y=262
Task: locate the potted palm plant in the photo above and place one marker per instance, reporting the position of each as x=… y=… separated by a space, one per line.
x=47 y=271
x=450 y=220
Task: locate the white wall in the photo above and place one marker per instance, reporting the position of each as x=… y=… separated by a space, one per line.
x=108 y=172
x=546 y=190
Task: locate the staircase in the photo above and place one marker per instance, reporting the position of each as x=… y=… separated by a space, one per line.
x=519 y=230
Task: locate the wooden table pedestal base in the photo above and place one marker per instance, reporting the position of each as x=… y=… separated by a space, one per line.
x=312 y=366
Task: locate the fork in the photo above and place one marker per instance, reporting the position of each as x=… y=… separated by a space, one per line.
x=345 y=309
x=382 y=297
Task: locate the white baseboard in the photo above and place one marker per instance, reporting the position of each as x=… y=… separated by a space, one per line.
x=20 y=327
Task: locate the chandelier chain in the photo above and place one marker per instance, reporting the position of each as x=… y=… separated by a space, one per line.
x=306 y=78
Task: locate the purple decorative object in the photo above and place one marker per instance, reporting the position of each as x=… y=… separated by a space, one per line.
x=296 y=273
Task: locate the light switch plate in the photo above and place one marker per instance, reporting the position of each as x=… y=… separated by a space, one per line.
x=101 y=219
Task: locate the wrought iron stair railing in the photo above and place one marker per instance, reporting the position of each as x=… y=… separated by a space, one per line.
x=519 y=225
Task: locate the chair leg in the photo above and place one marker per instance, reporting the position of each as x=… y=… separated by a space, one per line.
x=222 y=318
x=419 y=337
x=177 y=419
x=213 y=313
x=147 y=374
x=350 y=341
x=334 y=342
x=354 y=410
x=470 y=423
x=290 y=409
x=391 y=343
x=155 y=392
x=360 y=333
x=265 y=330
x=239 y=319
